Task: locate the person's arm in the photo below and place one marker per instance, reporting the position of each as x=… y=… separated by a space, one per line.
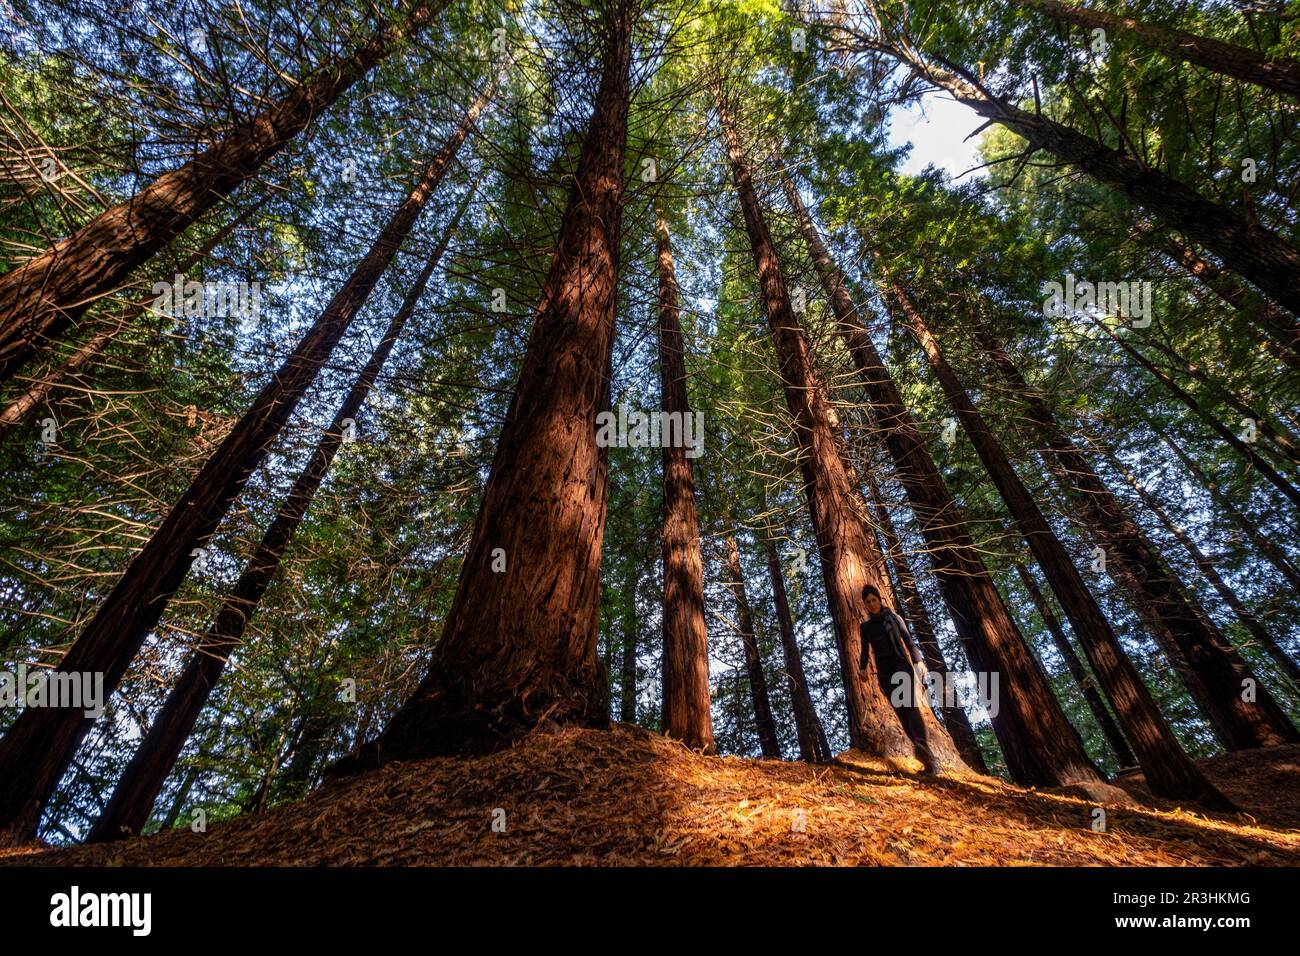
x=912 y=647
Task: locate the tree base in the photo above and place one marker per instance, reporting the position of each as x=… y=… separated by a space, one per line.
x=418 y=732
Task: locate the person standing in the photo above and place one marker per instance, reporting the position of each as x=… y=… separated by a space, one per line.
x=886 y=637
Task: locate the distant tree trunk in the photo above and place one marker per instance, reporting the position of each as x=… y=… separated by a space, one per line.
x=257 y=802
x=1243 y=245
x=313 y=740
x=1280 y=328
x=767 y=738
x=847 y=552
x=1170 y=772
x=1281 y=443
x=813 y=745
x=133 y=799
x=1212 y=669
x=1211 y=574
x=627 y=687
x=1260 y=541
x=1040 y=746
x=41 y=742
x=1215 y=424
x=685 y=635
x=39 y=391
x=1077 y=671
x=39 y=298
x=1280 y=74
x=918 y=619
x=519 y=643
x=178 y=802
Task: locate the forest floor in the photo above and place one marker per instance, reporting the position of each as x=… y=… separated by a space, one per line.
x=628 y=796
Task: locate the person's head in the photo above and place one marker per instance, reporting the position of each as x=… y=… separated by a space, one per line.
x=871 y=595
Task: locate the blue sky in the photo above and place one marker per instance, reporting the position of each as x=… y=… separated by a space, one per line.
x=936 y=128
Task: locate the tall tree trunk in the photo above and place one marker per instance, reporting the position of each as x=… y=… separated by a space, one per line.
x=39 y=391
x=178 y=802
x=317 y=732
x=1206 y=567
x=1282 y=443
x=1169 y=770
x=257 y=802
x=1281 y=74
x=1214 y=672
x=39 y=298
x=627 y=685
x=848 y=554
x=1260 y=541
x=1280 y=328
x=685 y=635
x=1077 y=671
x=954 y=716
x=813 y=745
x=41 y=742
x=1040 y=746
x=767 y=738
x=1215 y=424
x=519 y=643
x=133 y=799
x=1243 y=245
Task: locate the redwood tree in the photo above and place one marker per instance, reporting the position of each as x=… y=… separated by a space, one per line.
x=127 y=811
x=848 y=553
x=1207 y=569
x=767 y=739
x=1241 y=243
x=813 y=745
x=519 y=645
x=918 y=620
x=39 y=298
x=1223 y=502
x=1082 y=680
x=1169 y=771
x=45 y=384
x=1040 y=746
x=41 y=743
x=686 y=638
x=1212 y=669
x=1280 y=74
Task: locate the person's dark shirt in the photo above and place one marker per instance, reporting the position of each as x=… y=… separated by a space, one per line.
x=888 y=626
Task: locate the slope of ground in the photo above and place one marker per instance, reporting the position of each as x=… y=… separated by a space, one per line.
x=627 y=796
x=1265 y=783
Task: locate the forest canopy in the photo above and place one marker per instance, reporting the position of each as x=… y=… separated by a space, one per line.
x=383 y=380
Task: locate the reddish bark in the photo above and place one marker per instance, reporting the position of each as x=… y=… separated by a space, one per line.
x=1213 y=671
x=1040 y=746
x=1241 y=243
x=1169 y=770
x=41 y=743
x=1213 y=422
x=1280 y=74
x=627 y=688
x=520 y=645
x=767 y=739
x=39 y=298
x=1260 y=541
x=813 y=745
x=1109 y=729
x=1280 y=328
x=133 y=798
x=685 y=635
x=40 y=390
x=848 y=553
x=918 y=619
x=1254 y=627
